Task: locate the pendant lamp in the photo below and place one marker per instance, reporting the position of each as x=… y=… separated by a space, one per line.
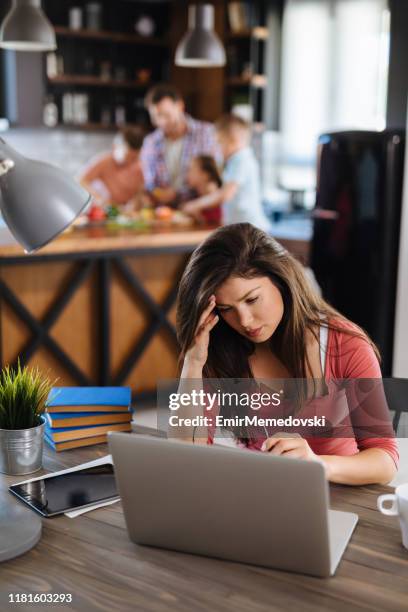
x=26 y=28
x=200 y=47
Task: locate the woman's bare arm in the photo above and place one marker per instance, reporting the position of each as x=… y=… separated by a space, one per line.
x=369 y=466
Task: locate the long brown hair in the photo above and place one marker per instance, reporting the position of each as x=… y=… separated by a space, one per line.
x=242 y=250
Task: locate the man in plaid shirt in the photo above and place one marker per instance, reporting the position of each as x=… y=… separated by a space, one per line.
x=167 y=152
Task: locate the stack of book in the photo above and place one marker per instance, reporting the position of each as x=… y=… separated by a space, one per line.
x=82 y=416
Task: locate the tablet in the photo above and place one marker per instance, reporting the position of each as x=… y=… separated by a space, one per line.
x=64 y=492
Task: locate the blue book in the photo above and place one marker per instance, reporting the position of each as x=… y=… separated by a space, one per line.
x=89 y=399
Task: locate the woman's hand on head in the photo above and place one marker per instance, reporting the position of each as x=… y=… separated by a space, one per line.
x=198 y=351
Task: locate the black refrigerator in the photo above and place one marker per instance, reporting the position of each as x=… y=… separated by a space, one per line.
x=355 y=242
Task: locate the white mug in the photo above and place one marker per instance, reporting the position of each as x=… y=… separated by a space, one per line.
x=399 y=507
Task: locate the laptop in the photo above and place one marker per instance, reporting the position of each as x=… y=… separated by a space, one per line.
x=229 y=503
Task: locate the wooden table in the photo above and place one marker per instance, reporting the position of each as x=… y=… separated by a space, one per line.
x=92 y=558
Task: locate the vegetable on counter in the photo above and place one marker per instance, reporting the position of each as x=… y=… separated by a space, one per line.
x=96 y=213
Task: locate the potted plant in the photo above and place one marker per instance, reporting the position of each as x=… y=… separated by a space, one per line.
x=23 y=393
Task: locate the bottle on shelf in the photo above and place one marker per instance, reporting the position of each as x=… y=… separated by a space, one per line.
x=75 y=18
x=75 y=108
x=51 y=65
x=67 y=108
x=93 y=16
x=105 y=116
x=80 y=108
x=54 y=65
x=105 y=71
x=50 y=112
x=120 y=114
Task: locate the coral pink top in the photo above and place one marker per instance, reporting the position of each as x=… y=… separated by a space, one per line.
x=350 y=357
x=347 y=357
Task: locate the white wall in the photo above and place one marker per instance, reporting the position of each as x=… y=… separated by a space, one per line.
x=68 y=149
x=400 y=357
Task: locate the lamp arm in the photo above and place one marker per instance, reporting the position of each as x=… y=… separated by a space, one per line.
x=6 y=165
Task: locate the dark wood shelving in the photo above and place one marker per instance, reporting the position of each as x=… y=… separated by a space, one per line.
x=119 y=37
x=237 y=35
x=257 y=80
x=257 y=32
x=238 y=81
x=94 y=81
x=245 y=36
x=111 y=67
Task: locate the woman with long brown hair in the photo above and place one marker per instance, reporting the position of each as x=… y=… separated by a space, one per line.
x=247 y=310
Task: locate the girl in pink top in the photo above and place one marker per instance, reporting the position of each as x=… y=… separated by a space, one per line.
x=246 y=310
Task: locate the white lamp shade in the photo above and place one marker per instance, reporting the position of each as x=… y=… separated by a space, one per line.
x=200 y=47
x=26 y=28
x=37 y=200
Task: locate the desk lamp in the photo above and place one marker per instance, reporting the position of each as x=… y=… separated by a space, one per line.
x=38 y=201
x=20 y=528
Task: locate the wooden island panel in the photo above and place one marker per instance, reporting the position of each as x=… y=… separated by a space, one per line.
x=130 y=316
x=88 y=308
x=105 y=316
x=76 y=330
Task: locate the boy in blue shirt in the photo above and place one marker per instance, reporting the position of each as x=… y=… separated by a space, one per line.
x=240 y=193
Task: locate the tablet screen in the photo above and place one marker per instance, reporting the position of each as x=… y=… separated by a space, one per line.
x=65 y=492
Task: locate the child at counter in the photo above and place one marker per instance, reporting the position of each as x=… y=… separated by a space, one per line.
x=240 y=193
x=117 y=177
x=203 y=178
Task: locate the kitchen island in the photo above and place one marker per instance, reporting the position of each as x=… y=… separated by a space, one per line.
x=97 y=305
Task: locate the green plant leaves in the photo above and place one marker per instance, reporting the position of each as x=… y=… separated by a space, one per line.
x=23 y=393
